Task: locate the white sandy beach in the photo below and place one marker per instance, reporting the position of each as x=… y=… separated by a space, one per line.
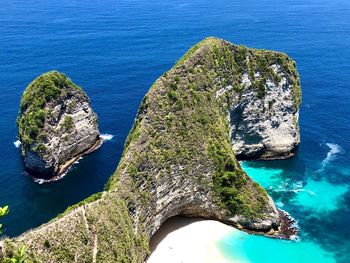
x=188 y=240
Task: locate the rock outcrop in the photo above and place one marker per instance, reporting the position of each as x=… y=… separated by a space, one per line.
x=56 y=125
x=178 y=160
x=265 y=125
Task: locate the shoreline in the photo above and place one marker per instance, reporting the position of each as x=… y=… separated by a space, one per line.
x=64 y=168
x=182 y=239
x=288 y=229
x=192 y=239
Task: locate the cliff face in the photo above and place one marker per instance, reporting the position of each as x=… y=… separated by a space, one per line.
x=178 y=159
x=56 y=124
x=265 y=125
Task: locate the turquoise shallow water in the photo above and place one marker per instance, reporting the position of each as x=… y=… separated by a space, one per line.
x=315 y=196
x=241 y=247
x=309 y=196
x=116 y=49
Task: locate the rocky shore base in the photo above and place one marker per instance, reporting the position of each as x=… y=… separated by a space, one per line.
x=288 y=228
x=67 y=165
x=195 y=239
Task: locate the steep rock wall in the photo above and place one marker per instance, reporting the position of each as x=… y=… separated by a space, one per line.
x=56 y=124
x=178 y=159
x=265 y=126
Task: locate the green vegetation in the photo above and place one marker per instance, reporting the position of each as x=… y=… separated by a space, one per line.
x=180 y=137
x=15 y=255
x=12 y=255
x=40 y=148
x=101 y=222
x=189 y=128
x=3 y=211
x=87 y=200
x=44 y=89
x=68 y=123
x=259 y=86
x=188 y=54
x=232 y=186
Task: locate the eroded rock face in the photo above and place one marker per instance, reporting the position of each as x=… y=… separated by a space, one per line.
x=180 y=152
x=179 y=158
x=56 y=124
x=187 y=198
x=266 y=126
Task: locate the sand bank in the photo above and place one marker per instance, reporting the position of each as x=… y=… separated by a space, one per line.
x=188 y=240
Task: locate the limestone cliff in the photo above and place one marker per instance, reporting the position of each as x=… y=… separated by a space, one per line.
x=178 y=159
x=56 y=124
x=264 y=125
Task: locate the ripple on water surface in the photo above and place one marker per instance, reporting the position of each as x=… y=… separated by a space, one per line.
x=317 y=196
x=320 y=196
x=311 y=195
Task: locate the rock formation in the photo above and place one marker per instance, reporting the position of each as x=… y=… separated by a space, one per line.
x=178 y=160
x=265 y=125
x=56 y=124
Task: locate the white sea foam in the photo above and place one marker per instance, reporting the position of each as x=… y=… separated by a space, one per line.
x=106 y=137
x=299 y=188
x=298 y=184
x=282 y=187
x=302 y=190
x=77 y=161
x=294 y=187
x=334 y=150
x=42 y=181
x=280 y=204
x=39 y=181
x=17 y=143
x=294 y=238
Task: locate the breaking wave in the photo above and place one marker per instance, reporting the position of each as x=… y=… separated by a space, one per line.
x=295 y=187
x=104 y=137
x=334 y=149
x=17 y=143
x=280 y=204
x=107 y=137
x=77 y=161
x=54 y=179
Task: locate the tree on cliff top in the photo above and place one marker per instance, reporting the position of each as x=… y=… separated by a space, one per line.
x=3 y=211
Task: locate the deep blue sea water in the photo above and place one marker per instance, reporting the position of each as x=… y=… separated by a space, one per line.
x=115 y=50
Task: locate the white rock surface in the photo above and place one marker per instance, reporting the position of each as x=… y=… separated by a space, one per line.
x=265 y=128
x=64 y=142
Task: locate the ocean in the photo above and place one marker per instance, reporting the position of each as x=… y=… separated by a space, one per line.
x=116 y=49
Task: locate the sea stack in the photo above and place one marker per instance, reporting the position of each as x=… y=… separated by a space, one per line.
x=56 y=125
x=180 y=158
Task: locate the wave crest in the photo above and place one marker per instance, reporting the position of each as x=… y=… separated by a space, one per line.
x=334 y=149
x=106 y=137
x=17 y=143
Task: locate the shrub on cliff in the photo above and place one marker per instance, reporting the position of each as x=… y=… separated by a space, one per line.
x=40 y=91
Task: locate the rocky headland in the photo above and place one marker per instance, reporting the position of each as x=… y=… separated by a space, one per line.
x=219 y=100
x=56 y=125
x=265 y=125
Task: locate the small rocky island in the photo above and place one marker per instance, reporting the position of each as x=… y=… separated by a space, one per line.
x=220 y=102
x=56 y=125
